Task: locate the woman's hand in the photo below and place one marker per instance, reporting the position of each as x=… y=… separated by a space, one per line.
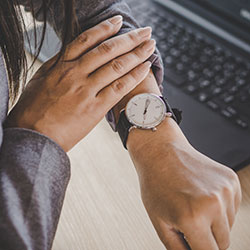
x=67 y=103
x=191 y=199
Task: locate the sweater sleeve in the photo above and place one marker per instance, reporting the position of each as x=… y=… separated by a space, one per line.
x=34 y=173
x=90 y=13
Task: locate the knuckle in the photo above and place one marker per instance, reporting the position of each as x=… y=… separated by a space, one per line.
x=133 y=77
x=118 y=86
x=106 y=47
x=233 y=181
x=184 y=222
x=227 y=191
x=107 y=26
x=83 y=38
x=214 y=198
x=87 y=107
x=139 y=53
x=136 y=74
x=216 y=203
x=233 y=176
x=117 y=66
x=133 y=36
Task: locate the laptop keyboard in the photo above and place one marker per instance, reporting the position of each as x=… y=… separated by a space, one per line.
x=200 y=67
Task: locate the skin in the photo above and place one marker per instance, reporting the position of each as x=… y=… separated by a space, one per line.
x=191 y=200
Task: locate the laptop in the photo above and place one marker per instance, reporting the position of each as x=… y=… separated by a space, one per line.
x=205 y=47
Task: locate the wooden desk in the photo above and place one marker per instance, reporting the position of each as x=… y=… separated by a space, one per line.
x=103 y=210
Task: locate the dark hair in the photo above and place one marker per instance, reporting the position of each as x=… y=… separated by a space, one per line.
x=13 y=30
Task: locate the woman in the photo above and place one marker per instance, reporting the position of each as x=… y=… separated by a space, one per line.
x=66 y=98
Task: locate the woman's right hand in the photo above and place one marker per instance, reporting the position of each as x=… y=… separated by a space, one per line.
x=68 y=102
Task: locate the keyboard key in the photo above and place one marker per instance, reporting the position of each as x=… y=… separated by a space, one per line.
x=202 y=97
x=229 y=66
x=183 y=47
x=243 y=97
x=209 y=51
x=204 y=83
x=228 y=99
x=231 y=110
x=185 y=59
x=228 y=74
x=243 y=124
x=216 y=91
x=192 y=75
x=242 y=73
x=234 y=89
x=191 y=89
x=197 y=66
x=217 y=67
x=180 y=67
x=220 y=81
x=213 y=105
x=175 y=52
x=174 y=77
x=163 y=47
x=208 y=73
x=169 y=61
x=240 y=82
x=226 y=113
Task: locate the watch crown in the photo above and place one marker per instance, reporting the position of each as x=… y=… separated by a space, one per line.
x=169 y=114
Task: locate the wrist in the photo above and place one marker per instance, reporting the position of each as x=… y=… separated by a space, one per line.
x=146 y=142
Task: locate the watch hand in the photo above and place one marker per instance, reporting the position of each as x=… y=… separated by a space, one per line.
x=146 y=106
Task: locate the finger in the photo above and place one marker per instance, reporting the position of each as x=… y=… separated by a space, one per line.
x=238 y=196
x=113 y=48
x=221 y=232
x=171 y=239
x=93 y=37
x=122 y=65
x=201 y=239
x=112 y=94
x=231 y=216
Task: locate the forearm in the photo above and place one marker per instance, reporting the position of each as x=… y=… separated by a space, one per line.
x=34 y=173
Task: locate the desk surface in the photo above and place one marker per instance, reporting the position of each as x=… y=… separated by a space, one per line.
x=103 y=210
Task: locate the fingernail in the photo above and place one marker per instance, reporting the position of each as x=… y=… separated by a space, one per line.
x=145 y=31
x=115 y=20
x=149 y=45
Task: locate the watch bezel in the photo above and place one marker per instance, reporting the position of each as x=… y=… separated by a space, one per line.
x=134 y=125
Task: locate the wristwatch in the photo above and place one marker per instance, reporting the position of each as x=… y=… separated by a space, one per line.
x=145 y=111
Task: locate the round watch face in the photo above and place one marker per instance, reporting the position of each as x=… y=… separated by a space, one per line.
x=146 y=111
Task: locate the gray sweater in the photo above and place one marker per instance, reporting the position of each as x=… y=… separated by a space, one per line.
x=34 y=170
